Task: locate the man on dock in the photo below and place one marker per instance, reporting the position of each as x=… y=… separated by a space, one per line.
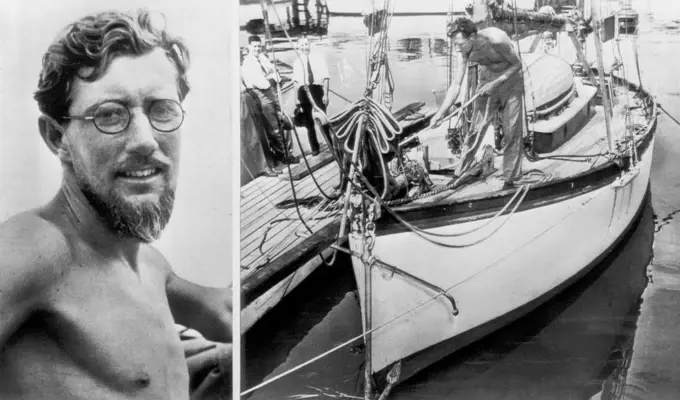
x=310 y=74
x=501 y=87
x=88 y=308
x=260 y=78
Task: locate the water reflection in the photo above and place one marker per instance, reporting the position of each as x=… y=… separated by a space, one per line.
x=408 y=49
x=412 y=49
x=578 y=345
x=668 y=27
x=440 y=48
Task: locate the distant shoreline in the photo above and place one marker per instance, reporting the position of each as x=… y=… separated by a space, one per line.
x=251 y=2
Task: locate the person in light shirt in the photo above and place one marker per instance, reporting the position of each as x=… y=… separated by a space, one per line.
x=260 y=78
x=310 y=74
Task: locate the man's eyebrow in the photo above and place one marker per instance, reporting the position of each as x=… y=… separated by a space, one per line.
x=123 y=100
x=90 y=109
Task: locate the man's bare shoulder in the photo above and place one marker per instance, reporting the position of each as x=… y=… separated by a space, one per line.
x=34 y=251
x=495 y=35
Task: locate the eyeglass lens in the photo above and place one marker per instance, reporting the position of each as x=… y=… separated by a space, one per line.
x=113 y=117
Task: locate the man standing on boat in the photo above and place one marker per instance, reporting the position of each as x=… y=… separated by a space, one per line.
x=501 y=88
x=87 y=306
x=260 y=78
x=310 y=74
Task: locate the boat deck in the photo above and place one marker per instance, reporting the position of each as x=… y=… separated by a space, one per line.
x=592 y=139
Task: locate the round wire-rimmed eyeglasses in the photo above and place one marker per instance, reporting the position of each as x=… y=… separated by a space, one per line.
x=111 y=117
x=460 y=42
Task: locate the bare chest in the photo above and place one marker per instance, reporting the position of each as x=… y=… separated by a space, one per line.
x=485 y=55
x=108 y=328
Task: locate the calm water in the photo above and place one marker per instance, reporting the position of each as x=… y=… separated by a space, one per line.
x=612 y=336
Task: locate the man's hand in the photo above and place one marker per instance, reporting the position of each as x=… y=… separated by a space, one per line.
x=324 y=99
x=487 y=89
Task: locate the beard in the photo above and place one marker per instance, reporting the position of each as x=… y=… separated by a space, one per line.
x=143 y=221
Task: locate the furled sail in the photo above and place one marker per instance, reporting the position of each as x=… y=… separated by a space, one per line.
x=543 y=15
x=523 y=21
x=558 y=5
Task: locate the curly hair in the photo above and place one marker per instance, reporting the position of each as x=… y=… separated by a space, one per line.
x=463 y=25
x=86 y=48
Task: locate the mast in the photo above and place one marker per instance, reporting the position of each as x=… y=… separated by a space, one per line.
x=606 y=100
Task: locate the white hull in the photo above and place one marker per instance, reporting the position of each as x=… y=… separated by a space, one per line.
x=535 y=253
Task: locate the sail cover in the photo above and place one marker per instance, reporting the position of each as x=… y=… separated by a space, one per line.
x=535 y=16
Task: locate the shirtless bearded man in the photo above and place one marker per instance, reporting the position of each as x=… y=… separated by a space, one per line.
x=87 y=306
x=501 y=87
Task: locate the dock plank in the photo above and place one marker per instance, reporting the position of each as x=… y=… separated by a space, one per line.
x=310 y=215
x=283 y=230
x=268 y=212
x=286 y=241
x=260 y=280
x=282 y=191
x=301 y=170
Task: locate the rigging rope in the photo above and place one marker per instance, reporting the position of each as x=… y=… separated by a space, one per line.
x=669 y=114
x=472 y=230
x=422 y=234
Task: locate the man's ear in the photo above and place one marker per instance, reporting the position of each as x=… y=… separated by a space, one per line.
x=54 y=137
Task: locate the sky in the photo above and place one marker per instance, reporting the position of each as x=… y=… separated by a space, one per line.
x=198 y=241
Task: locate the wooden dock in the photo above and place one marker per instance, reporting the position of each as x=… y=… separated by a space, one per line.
x=277 y=243
x=271 y=228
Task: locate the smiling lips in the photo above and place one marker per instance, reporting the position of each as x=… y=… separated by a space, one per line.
x=140 y=173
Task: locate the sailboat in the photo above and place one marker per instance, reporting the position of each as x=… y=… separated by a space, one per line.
x=457 y=258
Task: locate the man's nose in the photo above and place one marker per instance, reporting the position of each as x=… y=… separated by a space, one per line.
x=141 y=135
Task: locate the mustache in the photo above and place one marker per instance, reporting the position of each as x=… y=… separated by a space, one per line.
x=138 y=162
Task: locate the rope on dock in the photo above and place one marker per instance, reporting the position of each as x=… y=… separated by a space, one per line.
x=311 y=214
